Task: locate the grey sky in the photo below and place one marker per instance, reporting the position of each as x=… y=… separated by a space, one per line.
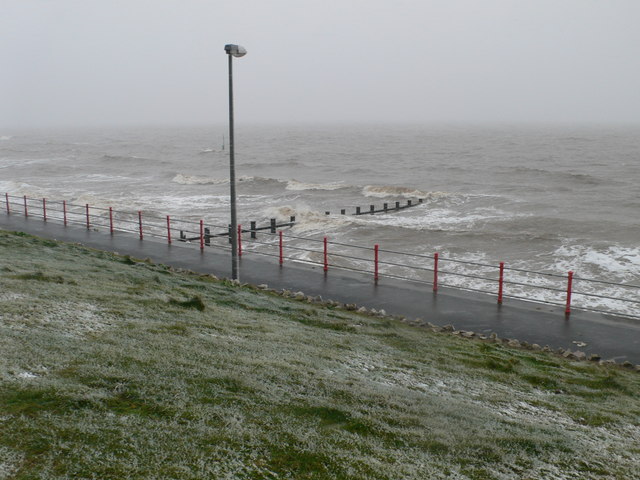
x=90 y=62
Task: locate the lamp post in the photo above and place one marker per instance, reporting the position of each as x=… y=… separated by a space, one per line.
x=233 y=51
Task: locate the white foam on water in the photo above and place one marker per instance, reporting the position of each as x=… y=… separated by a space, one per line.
x=624 y=262
x=298 y=186
x=308 y=221
x=99 y=177
x=21 y=188
x=4 y=138
x=436 y=219
x=197 y=180
x=381 y=191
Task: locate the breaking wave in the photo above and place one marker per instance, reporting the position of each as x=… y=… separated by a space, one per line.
x=299 y=186
x=391 y=191
x=308 y=221
x=197 y=180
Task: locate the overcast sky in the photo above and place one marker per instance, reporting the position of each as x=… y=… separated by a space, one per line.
x=113 y=62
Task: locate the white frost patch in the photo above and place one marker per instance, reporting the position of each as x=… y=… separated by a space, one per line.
x=27 y=375
x=8 y=296
x=9 y=462
x=523 y=411
x=71 y=318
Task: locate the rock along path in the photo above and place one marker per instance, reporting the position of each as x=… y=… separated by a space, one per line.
x=606 y=335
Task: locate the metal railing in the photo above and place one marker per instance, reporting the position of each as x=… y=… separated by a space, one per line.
x=434 y=270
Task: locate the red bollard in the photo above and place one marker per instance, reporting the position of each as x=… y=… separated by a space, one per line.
x=435 y=272
x=375 y=251
x=201 y=234
x=567 y=310
x=500 y=287
x=26 y=210
x=88 y=224
x=168 y=230
x=111 y=220
x=326 y=259
x=44 y=209
x=64 y=212
x=6 y=197
x=239 y=240
x=281 y=256
x=140 y=222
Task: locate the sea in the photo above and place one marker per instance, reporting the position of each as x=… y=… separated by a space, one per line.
x=540 y=199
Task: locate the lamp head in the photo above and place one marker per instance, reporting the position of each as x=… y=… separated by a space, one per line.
x=235 y=50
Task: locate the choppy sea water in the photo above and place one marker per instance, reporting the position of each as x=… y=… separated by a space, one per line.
x=542 y=199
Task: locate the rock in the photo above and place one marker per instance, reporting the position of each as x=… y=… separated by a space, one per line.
x=286 y=293
x=467 y=334
x=525 y=344
x=535 y=346
x=513 y=343
x=448 y=328
x=362 y=310
x=627 y=364
x=637 y=368
x=213 y=277
x=607 y=362
x=568 y=354
x=382 y=313
x=580 y=355
x=493 y=336
x=299 y=296
x=350 y=306
x=546 y=348
x=560 y=351
x=482 y=337
x=456 y=332
x=594 y=357
x=373 y=311
x=263 y=286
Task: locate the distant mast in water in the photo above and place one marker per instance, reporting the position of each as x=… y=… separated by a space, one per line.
x=223 y=141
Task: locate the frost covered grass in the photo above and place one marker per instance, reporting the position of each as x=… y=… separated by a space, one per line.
x=111 y=367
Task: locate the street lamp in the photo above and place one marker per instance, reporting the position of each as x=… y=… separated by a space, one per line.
x=233 y=51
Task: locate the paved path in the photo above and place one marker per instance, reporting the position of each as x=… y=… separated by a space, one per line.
x=609 y=336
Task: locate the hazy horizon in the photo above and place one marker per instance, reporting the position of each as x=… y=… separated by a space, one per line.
x=143 y=63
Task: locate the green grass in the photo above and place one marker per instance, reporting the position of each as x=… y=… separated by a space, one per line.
x=113 y=368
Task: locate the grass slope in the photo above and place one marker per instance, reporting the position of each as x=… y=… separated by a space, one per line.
x=116 y=368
